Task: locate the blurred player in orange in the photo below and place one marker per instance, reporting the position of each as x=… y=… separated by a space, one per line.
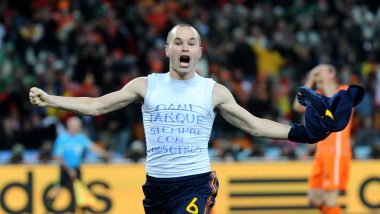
x=331 y=165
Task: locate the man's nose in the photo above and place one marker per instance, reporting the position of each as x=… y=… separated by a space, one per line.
x=185 y=47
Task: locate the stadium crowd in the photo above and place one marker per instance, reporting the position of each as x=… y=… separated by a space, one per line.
x=260 y=50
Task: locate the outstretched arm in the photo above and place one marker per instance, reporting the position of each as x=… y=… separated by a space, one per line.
x=131 y=92
x=241 y=118
x=100 y=151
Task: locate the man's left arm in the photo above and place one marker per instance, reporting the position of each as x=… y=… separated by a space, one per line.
x=241 y=118
x=225 y=103
x=100 y=151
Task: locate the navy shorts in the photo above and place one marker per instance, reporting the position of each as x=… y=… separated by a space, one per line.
x=193 y=194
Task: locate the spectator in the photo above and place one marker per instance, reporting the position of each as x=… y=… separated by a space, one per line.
x=69 y=39
x=136 y=151
x=375 y=153
x=17 y=156
x=45 y=153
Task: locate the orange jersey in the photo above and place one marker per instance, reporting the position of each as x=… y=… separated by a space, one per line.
x=337 y=143
x=330 y=173
x=331 y=166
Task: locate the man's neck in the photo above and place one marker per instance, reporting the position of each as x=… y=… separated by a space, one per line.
x=330 y=89
x=181 y=75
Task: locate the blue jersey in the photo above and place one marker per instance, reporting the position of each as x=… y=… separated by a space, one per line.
x=71 y=148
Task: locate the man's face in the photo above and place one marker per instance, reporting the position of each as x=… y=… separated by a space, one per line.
x=183 y=49
x=324 y=76
x=74 y=125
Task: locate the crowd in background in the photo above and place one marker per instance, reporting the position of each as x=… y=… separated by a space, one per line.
x=261 y=50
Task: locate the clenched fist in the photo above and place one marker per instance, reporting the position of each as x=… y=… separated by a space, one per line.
x=38 y=97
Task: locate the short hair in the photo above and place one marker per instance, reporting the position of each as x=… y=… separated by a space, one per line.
x=182 y=25
x=331 y=68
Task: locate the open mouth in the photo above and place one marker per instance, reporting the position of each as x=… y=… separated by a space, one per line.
x=184 y=61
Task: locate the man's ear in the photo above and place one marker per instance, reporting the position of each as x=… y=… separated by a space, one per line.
x=200 y=51
x=167 y=50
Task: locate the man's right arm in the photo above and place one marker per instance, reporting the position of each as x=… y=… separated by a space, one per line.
x=133 y=91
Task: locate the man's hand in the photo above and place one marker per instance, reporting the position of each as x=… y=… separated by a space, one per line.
x=312 y=77
x=301 y=134
x=39 y=97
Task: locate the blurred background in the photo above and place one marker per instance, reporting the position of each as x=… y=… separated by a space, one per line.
x=261 y=50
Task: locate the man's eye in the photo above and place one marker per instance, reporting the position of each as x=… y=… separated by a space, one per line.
x=192 y=44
